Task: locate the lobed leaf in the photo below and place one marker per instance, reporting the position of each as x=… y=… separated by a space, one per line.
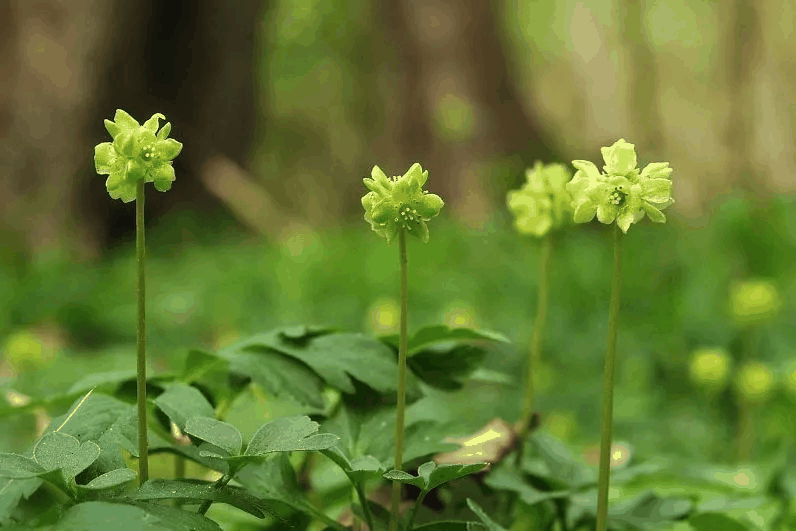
x=221 y=434
x=289 y=434
x=194 y=491
x=109 y=480
x=181 y=402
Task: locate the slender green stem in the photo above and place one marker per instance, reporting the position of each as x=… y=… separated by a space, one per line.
x=746 y=433
x=179 y=466
x=608 y=387
x=413 y=512
x=365 y=507
x=140 y=257
x=536 y=343
x=221 y=482
x=399 y=423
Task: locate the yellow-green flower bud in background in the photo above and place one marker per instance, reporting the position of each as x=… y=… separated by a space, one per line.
x=460 y=314
x=543 y=202
x=754 y=301
x=622 y=194
x=562 y=424
x=754 y=382
x=384 y=315
x=400 y=203
x=710 y=367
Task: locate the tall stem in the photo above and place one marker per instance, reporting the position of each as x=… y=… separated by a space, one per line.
x=402 y=347
x=608 y=386
x=536 y=342
x=140 y=258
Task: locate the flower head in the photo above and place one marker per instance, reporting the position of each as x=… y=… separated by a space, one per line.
x=621 y=194
x=138 y=152
x=400 y=203
x=543 y=202
x=754 y=382
x=754 y=301
x=710 y=367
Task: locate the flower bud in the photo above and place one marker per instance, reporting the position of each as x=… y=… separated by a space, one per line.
x=754 y=382
x=754 y=301
x=710 y=367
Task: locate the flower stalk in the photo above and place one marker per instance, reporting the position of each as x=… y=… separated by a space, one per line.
x=542 y=205
x=606 y=422
x=536 y=343
x=395 y=207
x=624 y=195
x=138 y=154
x=402 y=347
x=140 y=259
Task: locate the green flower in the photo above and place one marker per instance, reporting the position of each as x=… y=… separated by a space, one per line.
x=754 y=382
x=621 y=194
x=138 y=152
x=543 y=202
x=754 y=301
x=400 y=202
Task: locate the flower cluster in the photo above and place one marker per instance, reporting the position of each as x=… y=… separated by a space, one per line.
x=543 y=203
x=621 y=194
x=400 y=202
x=138 y=152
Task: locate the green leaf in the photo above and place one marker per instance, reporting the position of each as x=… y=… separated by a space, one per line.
x=109 y=480
x=274 y=481
x=57 y=450
x=279 y=374
x=334 y=357
x=134 y=516
x=101 y=516
x=446 y=368
x=450 y=525
x=437 y=475
x=19 y=467
x=508 y=479
x=561 y=462
x=181 y=402
x=716 y=522
x=177 y=518
x=221 y=434
x=431 y=476
x=199 y=363
x=12 y=491
x=194 y=490
x=358 y=469
x=94 y=380
x=405 y=478
x=107 y=421
x=490 y=524
x=288 y=434
x=648 y=509
x=429 y=335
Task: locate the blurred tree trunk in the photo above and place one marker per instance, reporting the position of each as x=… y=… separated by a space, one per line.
x=68 y=66
x=448 y=54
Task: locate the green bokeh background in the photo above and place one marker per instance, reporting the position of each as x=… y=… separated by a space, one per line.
x=324 y=89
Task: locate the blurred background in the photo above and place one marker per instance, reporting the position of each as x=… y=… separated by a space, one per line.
x=284 y=106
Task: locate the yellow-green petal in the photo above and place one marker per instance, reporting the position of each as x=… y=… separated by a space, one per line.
x=620 y=158
x=104 y=157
